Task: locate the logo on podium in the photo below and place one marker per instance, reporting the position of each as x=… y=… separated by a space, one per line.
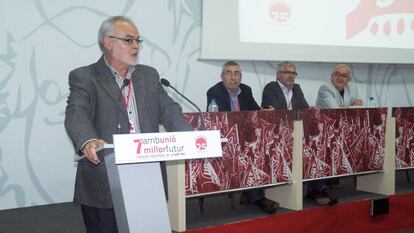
x=153 y=147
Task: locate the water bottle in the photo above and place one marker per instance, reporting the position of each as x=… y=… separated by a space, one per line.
x=372 y=103
x=213 y=107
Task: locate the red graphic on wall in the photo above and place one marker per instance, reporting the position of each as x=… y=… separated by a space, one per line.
x=404 y=137
x=358 y=20
x=258 y=152
x=279 y=11
x=343 y=141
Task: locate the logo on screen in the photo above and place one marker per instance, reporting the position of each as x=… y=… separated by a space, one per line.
x=279 y=11
x=381 y=17
x=201 y=143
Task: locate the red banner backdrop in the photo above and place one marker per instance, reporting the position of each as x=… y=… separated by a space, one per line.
x=404 y=134
x=258 y=152
x=343 y=141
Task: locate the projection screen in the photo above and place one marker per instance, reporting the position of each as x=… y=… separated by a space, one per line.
x=355 y=31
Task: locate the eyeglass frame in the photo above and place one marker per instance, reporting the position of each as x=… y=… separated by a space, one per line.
x=229 y=74
x=129 y=41
x=289 y=72
x=341 y=75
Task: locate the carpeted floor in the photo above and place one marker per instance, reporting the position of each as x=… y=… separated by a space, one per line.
x=342 y=218
x=218 y=210
x=66 y=217
x=57 y=218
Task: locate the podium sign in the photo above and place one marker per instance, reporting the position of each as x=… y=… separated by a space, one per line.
x=153 y=147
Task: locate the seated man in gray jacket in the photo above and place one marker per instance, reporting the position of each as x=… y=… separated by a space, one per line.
x=338 y=93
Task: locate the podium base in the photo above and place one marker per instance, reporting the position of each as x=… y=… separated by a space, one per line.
x=138 y=196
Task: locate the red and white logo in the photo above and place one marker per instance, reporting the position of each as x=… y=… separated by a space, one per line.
x=279 y=11
x=201 y=143
x=139 y=145
x=368 y=14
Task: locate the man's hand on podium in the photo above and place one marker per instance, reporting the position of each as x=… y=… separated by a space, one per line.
x=89 y=150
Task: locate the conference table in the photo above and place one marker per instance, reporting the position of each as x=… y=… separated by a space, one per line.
x=259 y=151
x=404 y=137
x=279 y=150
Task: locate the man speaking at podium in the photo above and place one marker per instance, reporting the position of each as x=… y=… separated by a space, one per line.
x=113 y=95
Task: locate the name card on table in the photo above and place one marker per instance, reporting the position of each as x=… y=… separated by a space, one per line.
x=154 y=147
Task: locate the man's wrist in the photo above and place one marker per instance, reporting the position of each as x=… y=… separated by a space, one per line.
x=84 y=144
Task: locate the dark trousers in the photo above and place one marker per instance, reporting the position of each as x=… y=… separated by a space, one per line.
x=255 y=195
x=317 y=186
x=99 y=220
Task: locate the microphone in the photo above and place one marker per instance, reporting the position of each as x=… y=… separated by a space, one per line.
x=125 y=83
x=166 y=83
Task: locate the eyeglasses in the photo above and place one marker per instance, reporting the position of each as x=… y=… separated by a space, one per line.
x=289 y=72
x=342 y=75
x=229 y=74
x=130 y=41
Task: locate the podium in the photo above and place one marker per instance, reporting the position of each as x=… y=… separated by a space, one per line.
x=134 y=174
x=138 y=195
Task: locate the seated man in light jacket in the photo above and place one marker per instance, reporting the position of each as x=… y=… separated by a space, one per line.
x=338 y=93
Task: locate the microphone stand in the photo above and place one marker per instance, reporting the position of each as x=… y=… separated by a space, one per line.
x=166 y=83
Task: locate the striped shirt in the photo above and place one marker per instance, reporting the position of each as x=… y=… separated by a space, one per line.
x=128 y=96
x=234 y=101
x=288 y=93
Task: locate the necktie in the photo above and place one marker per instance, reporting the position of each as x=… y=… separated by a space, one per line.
x=236 y=104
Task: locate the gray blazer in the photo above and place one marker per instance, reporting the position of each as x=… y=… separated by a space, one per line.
x=329 y=96
x=94 y=110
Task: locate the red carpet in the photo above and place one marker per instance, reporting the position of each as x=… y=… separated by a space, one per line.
x=348 y=217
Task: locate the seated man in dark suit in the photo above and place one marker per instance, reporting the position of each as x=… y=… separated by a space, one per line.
x=284 y=94
x=232 y=95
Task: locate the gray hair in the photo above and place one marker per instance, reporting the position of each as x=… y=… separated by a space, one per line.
x=342 y=66
x=107 y=28
x=285 y=63
x=229 y=63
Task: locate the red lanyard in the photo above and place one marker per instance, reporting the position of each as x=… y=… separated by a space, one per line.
x=126 y=100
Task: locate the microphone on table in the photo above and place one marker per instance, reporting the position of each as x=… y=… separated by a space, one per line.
x=166 y=83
